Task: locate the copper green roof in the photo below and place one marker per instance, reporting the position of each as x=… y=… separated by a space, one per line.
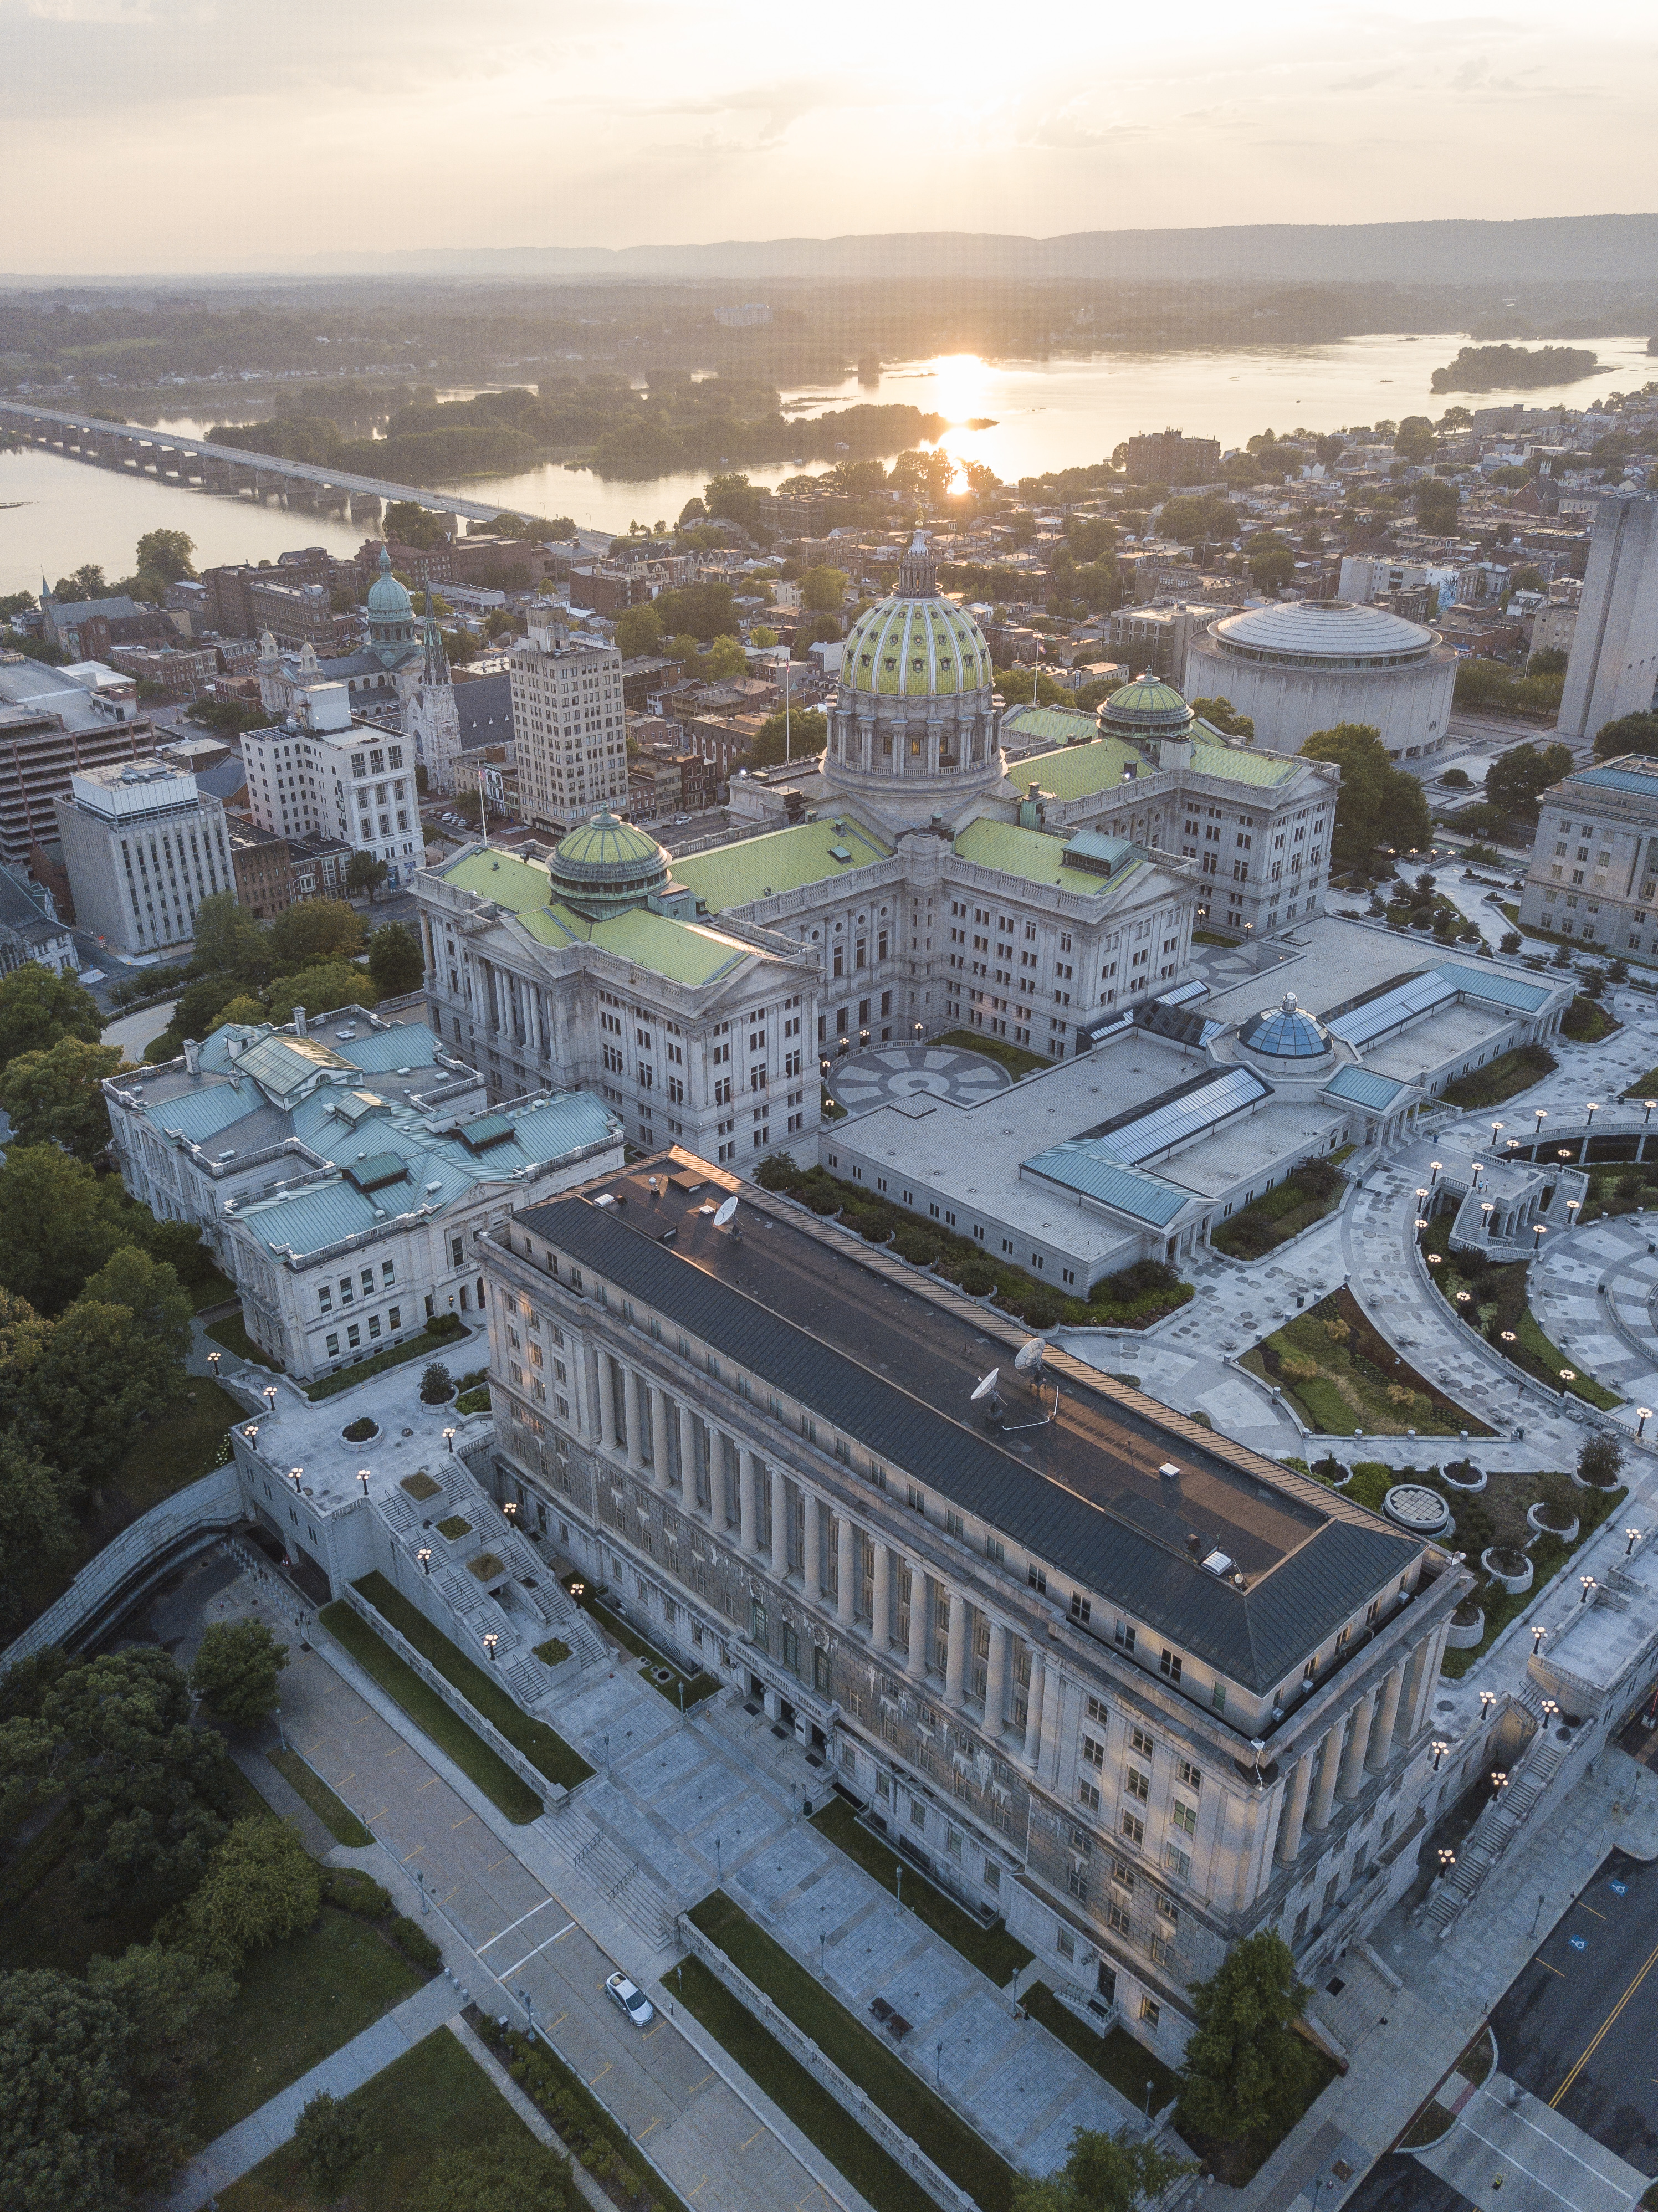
x=782 y=860
x=1146 y=704
x=1036 y=857
x=915 y=648
x=1078 y=771
x=386 y=596
x=1212 y=756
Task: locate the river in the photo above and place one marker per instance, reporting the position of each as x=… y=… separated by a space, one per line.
x=1051 y=414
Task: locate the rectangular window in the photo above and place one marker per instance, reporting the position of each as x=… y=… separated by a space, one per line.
x=1132 y=1826
x=1177 y=1861
x=333 y=1346
x=1137 y=1784
x=1087 y=1796
x=1188 y=1776
x=1184 y=1817
x=1094 y=1751
x=1081 y=1610
x=1140 y=1741
x=1151 y=2011
x=1170 y=1664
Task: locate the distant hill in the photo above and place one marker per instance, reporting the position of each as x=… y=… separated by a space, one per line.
x=1618 y=247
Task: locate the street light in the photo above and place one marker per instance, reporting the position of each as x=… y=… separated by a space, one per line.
x=1591 y=1110
x=1433 y=1177
x=938 y=2065
x=213 y=1359
x=1446 y=1860
x=1567 y=1377
x=1572 y=1205
x=1634 y=1536
x=363 y=1477
x=424 y=1555
x=1498 y=1128
x=1646 y=1105
x=1537 y=1636
x=1487 y=1700
x=1645 y=1411
x=1422 y=1221
x=1549 y=1706
x=1499 y=1780
x=1539 y=1233
x=1541 y=1113
x=1507 y=1336
x=1439 y=1751
x=449 y=1438
x=269 y=1393
x=251 y=1433
x=490 y=1640
x=294 y=1474
x=509 y=1508
x=1589 y=1583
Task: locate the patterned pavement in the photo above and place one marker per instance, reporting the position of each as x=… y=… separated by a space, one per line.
x=894 y=1072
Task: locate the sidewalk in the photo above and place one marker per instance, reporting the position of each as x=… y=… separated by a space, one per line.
x=240 y=2149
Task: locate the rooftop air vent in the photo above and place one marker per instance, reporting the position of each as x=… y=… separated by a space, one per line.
x=1169 y=1471
x=1217 y=1564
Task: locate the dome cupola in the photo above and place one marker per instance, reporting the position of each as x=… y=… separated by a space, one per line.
x=1287 y=1036
x=606 y=866
x=391 y=609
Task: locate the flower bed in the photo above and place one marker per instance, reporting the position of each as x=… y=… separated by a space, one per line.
x=1341 y=1374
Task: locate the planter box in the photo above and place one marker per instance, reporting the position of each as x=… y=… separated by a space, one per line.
x=1459 y=1638
x=1514 y=1584
x=1455 y=1482
x=1567 y=1535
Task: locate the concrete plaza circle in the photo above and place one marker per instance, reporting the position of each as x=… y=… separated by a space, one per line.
x=892 y=1072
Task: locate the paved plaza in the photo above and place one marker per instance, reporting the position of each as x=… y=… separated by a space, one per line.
x=892 y=1073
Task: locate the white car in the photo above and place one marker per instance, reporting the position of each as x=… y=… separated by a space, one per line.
x=632 y=1999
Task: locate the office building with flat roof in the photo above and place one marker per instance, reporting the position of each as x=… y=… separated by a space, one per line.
x=143 y=847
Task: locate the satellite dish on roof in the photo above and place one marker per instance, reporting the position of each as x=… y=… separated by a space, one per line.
x=986 y=1384
x=726 y=1212
x=1029 y=1355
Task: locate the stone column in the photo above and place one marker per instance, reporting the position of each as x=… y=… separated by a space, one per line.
x=663 y=1425
x=1352 y=1763
x=996 y=1680
x=748 y=1502
x=1324 y=1789
x=687 y=1455
x=1295 y=1808
x=915 y=1660
x=1033 y=1720
x=880 y=1618
x=812 y=1555
x=633 y=1394
x=845 y=1571
x=955 y=1650
x=615 y=1419
x=779 y=1524
x=1381 y=1732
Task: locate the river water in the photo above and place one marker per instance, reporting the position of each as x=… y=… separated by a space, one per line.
x=1051 y=414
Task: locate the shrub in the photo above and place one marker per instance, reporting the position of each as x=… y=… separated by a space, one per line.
x=977 y=1278
x=415 y=1945
x=445 y=1325
x=360 y=1431
x=916 y=1246
x=1600 y=1461
x=436 y=1385
x=348 y=1891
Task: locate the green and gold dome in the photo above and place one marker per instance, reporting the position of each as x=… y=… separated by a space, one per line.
x=916 y=643
x=606 y=866
x=914 y=735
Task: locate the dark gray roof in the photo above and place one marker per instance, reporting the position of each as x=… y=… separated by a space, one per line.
x=485 y=708
x=23 y=910
x=1098 y=1510
x=223 y=779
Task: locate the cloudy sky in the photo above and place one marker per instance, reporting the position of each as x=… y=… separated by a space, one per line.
x=218 y=134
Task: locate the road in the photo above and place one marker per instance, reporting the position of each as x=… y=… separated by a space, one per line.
x=1576 y=2027
x=706 y=2140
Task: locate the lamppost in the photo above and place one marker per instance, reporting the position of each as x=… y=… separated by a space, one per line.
x=294 y=1474
x=1646 y=1105
x=509 y=1509
x=919 y=1031
x=269 y=1393
x=449 y=1438
x=719 y=1862
x=213 y=1359
x=1537 y=1636
x=1446 y=1860
x=1487 y=1207
x=1645 y=1412
x=1572 y=1205
x=424 y=1555
x=1439 y=1751
x=1507 y=1336
x=363 y=1477
x=1497 y=1130
x=1541 y=1115
x=1567 y=1377
x=822 y=1954
x=1634 y=1536
x=1150 y=2085
x=1539 y=1233
x=1487 y=1700
x=1499 y=1780
x=1549 y=1707
x=282 y=1734
x=490 y=1640
x=1589 y=1584
x=938 y=2065
x=1433 y=1173
x=1589 y=1112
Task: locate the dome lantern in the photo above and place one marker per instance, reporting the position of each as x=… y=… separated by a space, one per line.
x=1287 y=1036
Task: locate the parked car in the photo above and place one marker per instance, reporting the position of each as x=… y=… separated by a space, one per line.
x=632 y=1999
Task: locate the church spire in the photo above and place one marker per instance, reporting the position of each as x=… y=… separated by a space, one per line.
x=434 y=667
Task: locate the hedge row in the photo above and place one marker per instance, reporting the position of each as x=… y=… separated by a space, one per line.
x=1133 y=1298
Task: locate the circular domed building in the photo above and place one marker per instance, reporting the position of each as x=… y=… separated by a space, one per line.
x=914 y=732
x=1285 y=1039
x=1152 y=715
x=1305 y=665
x=605 y=865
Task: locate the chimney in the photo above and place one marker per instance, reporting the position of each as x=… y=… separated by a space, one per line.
x=298 y=1021
x=192 y=1055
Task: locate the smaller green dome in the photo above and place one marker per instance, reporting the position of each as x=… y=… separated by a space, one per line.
x=606 y=866
x=386 y=596
x=1146 y=704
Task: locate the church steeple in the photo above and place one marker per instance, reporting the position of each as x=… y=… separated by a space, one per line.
x=435 y=663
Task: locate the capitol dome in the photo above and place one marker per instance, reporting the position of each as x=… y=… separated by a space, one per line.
x=915 y=731
x=1286 y=1034
x=1303 y=665
x=390 y=612
x=605 y=865
x=1146 y=706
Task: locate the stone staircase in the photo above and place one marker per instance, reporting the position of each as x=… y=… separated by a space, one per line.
x=605 y=1866
x=1502 y=1820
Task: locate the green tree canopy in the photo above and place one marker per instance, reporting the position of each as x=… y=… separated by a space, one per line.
x=103 y=1374
x=495 y=2176
x=366 y=871
x=313 y=931
x=58 y=1222
x=243 y=1009
x=231 y=941
x=823 y=589
x=700 y=610
x=1416 y=439
x=235 y=1671
x=151 y=1292
x=1380 y=806
x=1437 y=505
x=1516 y=780
x=70 y=2119
x=37 y=1527
x=173 y=2004
x=332 y=2141
x=1244 y=2058
x=55 y=1097
x=1220 y=714
x=1104 y=2173
x=1629 y=733
x=1271 y=561
x=319 y=990
x=166 y=554
x=638 y=633
x=407 y=523
x=808 y=734
x=395 y=960
x=725 y=659
x=37 y=1007
x=261 y=1885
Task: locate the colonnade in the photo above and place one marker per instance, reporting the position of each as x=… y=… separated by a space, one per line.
x=1359 y=1742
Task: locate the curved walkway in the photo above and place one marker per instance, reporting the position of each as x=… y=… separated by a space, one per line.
x=1593 y=1295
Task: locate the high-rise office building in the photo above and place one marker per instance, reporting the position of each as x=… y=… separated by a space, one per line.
x=1614 y=648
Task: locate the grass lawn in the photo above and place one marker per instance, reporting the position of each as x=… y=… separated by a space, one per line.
x=879 y=2179
x=1342 y=1383
x=336 y=1815
x=1497 y=1302
x=1278 y=1215
x=1489 y=1086
x=996 y=1954
x=543 y=1746
x=866 y=2057
x=433 y=2099
x=212 y=1290
x=1017 y=1061
x=231 y=1334
x=423 y=1346
x=1644 y=1086
x=1586 y=1022
x=1125 y=2064
x=298 y=2001
x=428 y=1713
